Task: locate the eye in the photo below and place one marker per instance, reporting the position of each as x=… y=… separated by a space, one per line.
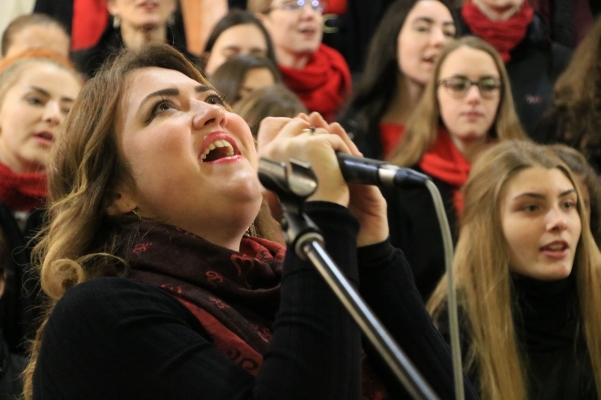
x=450 y=33
x=569 y=204
x=530 y=208
x=160 y=107
x=458 y=84
x=422 y=28
x=489 y=84
x=34 y=100
x=215 y=99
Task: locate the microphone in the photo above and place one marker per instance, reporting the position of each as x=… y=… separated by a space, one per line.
x=368 y=171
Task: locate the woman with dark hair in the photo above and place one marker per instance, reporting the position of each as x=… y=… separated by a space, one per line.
x=466 y=107
x=157 y=260
x=528 y=275
x=522 y=39
x=133 y=25
x=239 y=32
x=401 y=58
x=241 y=75
x=574 y=117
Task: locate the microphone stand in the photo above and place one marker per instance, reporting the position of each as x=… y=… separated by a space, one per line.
x=305 y=238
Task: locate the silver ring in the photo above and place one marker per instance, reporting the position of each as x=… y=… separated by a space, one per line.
x=311 y=130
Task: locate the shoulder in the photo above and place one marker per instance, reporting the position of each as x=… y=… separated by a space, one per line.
x=106 y=303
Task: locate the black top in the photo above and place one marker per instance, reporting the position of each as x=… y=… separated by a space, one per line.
x=550 y=338
x=88 y=61
x=21 y=298
x=535 y=65
x=116 y=338
x=414 y=227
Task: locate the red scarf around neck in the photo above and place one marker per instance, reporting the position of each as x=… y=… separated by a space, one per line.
x=390 y=135
x=445 y=162
x=234 y=295
x=504 y=36
x=323 y=84
x=22 y=192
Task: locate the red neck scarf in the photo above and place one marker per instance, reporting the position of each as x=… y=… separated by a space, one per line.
x=323 y=84
x=22 y=192
x=390 y=135
x=445 y=162
x=234 y=295
x=504 y=36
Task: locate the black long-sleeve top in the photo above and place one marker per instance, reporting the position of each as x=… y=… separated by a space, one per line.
x=550 y=339
x=113 y=338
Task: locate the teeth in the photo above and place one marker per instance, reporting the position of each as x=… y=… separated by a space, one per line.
x=216 y=144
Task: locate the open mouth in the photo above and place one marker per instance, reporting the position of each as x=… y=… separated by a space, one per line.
x=556 y=246
x=45 y=137
x=307 y=31
x=217 y=150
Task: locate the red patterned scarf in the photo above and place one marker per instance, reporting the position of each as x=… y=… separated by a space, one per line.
x=504 y=36
x=22 y=192
x=323 y=84
x=445 y=162
x=234 y=295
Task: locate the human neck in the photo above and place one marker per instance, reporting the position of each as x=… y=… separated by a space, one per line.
x=16 y=166
x=497 y=13
x=292 y=60
x=406 y=95
x=136 y=38
x=470 y=149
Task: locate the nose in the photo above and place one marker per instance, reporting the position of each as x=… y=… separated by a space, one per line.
x=52 y=113
x=437 y=38
x=473 y=94
x=556 y=220
x=208 y=114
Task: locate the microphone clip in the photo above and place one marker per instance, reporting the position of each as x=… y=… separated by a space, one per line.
x=292 y=187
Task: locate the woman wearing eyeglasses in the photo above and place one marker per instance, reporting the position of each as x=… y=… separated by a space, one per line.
x=402 y=55
x=466 y=108
x=316 y=73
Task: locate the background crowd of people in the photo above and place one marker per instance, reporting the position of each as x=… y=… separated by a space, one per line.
x=140 y=256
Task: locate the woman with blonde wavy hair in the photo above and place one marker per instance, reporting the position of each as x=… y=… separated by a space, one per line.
x=159 y=288
x=528 y=275
x=466 y=107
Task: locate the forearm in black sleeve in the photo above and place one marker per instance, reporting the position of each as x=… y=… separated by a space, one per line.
x=313 y=332
x=388 y=288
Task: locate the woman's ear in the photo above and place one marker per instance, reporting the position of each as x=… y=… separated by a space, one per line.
x=111 y=7
x=123 y=203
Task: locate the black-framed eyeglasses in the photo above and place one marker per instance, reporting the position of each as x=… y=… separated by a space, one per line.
x=297 y=5
x=458 y=86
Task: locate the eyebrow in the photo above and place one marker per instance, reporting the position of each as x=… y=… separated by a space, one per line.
x=172 y=92
x=47 y=94
x=431 y=21
x=542 y=196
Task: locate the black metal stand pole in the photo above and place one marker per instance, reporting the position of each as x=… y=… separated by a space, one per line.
x=303 y=235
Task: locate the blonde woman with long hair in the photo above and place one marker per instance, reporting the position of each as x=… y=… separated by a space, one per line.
x=528 y=276
x=466 y=107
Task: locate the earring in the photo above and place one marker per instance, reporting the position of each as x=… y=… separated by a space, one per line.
x=116 y=21
x=171 y=19
x=136 y=213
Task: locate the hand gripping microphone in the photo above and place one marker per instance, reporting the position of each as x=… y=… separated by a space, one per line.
x=368 y=171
